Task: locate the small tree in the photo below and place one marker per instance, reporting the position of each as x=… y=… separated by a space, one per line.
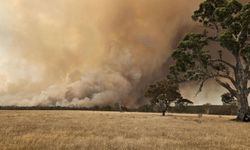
x=163 y=93
x=227 y=23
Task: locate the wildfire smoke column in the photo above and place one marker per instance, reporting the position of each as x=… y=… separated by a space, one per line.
x=86 y=52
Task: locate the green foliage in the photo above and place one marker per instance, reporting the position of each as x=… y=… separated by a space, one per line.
x=217 y=11
x=191 y=58
x=245 y=53
x=163 y=93
x=227 y=23
x=228 y=99
x=230 y=18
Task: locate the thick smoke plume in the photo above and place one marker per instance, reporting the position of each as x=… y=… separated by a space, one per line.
x=86 y=52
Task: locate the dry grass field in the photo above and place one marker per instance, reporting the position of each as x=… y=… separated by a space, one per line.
x=76 y=130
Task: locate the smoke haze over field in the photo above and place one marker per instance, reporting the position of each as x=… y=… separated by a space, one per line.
x=86 y=52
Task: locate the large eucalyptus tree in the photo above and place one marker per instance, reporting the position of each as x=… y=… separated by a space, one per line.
x=227 y=27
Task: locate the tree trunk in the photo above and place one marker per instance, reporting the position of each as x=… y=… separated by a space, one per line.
x=163 y=113
x=241 y=77
x=243 y=108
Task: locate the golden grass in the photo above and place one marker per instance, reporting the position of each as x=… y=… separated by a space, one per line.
x=75 y=130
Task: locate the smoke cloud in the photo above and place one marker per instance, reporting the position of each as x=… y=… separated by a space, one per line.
x=86 y=52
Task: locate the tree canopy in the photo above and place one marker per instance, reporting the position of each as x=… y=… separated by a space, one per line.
x=227 y=26
x=163 y=93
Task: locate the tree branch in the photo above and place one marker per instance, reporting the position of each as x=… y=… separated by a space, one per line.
x=201 y=86
x=226 y=86
x=227 y=77
x=224 y=62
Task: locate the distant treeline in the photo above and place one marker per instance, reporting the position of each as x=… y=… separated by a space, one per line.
x=201 y=109
x=97 y=108
x=211 y=109
x=198 y=109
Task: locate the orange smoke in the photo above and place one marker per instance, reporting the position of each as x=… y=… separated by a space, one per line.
x=86 y=52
